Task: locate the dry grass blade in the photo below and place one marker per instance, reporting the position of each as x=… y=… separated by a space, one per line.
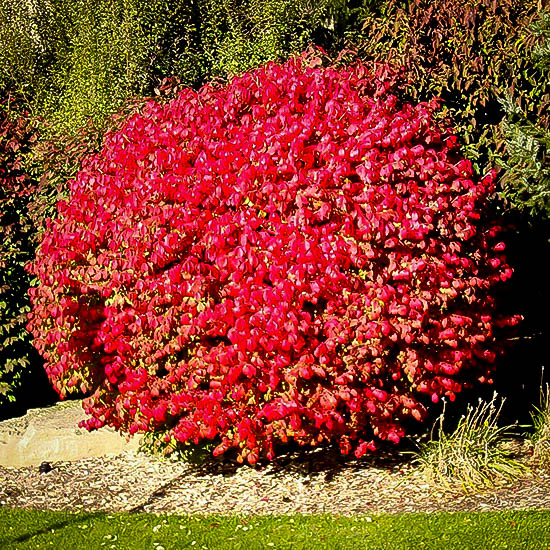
x=541 y=435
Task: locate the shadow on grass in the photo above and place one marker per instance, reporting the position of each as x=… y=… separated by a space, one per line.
x=74 y=519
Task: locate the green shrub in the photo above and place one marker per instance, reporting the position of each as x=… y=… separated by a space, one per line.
x=79 y=60
x=111 y=53
x=76 y=60
x=526 y=127
x=30 y=42
x=237 y=36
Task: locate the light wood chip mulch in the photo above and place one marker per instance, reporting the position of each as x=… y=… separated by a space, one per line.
x=307 y=483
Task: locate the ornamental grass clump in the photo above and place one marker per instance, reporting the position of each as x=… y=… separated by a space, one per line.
x=293 y=255
x=475 y=454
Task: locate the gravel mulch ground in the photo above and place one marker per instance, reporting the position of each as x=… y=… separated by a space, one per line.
x=314 y=482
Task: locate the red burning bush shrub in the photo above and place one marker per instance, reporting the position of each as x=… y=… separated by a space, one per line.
x=292 y=255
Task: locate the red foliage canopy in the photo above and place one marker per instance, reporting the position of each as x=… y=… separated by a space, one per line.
x=292 y=255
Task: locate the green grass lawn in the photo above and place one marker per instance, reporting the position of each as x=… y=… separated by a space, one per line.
x=60 y=530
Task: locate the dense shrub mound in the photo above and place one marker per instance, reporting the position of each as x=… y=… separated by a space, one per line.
x=293 y=255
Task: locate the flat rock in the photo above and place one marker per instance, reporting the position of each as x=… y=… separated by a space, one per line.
x=52 y=434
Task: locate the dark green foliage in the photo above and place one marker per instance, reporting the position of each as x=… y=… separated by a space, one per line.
x=16 y=136
x=526 y=181
x=468 y=52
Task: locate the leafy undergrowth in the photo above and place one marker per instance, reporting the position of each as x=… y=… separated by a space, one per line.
x=36 y=530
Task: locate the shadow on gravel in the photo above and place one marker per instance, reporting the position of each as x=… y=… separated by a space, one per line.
x=292 y=459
